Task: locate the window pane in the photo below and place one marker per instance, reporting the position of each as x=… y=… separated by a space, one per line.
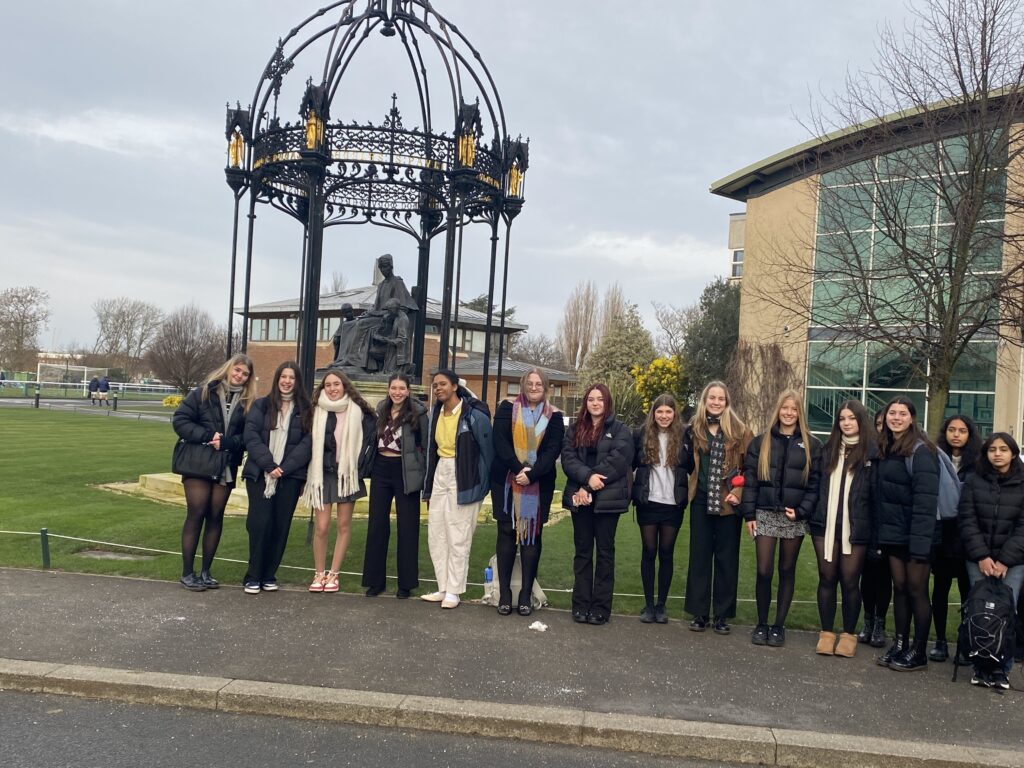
x=822 y=405
x=864 y=171
x=976 y=368
x=908 y=203
x=979 y=407
x=844 y=209
x=834 y=366
x=836 y=303
x=290 y=326
x=889 y=370
x=843 y=255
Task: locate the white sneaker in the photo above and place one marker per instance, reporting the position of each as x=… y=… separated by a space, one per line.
x=450 y=601
x=433 y=597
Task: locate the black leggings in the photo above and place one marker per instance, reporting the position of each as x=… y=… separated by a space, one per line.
x=788 y=552
x=910 y=595
x=529 y=556
x=659 y=543
x=845 y=570
x=204 y=502
x=876 y=587
x=945 y=570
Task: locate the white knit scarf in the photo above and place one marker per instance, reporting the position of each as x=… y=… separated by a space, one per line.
x=347 y=452
x=278 y=441
x=839 y=480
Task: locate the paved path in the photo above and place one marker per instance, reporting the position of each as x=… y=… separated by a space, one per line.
x=414 y=649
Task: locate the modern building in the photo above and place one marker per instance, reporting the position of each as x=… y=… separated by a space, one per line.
x=819 y=252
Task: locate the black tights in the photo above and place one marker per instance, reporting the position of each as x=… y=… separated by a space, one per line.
x=529 y=557
x=910 y=594
x=204 y=502
x=876 y=587
x=845 y=570
x=945 y=571
x=788 y=552
x=659 y=543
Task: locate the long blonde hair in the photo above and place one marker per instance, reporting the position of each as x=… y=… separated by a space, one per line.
x=732 y=426
x=764 y=462
x=220 y=376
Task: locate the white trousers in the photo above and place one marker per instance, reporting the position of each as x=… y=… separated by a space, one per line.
x=450 y=528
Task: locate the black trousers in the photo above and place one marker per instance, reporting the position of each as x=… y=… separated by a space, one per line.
x=594 y=579
x=386 y=485
x=712 y=575
x=269 y=521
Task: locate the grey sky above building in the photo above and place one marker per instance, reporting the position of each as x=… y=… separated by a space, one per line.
x=112 y=129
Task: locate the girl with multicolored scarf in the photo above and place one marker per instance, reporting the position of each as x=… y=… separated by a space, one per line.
x=528 y=434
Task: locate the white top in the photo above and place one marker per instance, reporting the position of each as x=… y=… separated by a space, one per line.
x=663 y=477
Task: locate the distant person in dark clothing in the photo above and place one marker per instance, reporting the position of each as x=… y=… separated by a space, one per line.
x=104 y=388
x=94 y=388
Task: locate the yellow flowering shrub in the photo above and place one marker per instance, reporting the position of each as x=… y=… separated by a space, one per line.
x=665 y=374
x=172 y=401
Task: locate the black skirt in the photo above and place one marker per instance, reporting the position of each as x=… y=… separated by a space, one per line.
x=654 y=513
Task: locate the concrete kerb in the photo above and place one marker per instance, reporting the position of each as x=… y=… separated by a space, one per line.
x=660 y=736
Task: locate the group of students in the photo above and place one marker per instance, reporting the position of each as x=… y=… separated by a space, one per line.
x=868 y=498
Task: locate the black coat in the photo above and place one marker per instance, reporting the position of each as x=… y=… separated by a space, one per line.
x=786 y=486
x=613 y=459
x=414 y=452
x=860 y=502
x=297 y=449
x=196 y=420
x=505 y=460
x=906 y=506
x=681 y=472
x=991 y=517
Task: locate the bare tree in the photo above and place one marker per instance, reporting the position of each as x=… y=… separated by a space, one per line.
x=577 y=330
x=918 y=245
x=672 y=324
x=24 y=311
x=756 y=374
x=186 y=348
x=613 y=309
x=536 y=349
x=337 y=283
x=126 y=328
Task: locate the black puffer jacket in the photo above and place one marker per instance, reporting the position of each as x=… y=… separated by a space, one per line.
x=786 y=486
x=906 y=506
x=297 y=447
x=681 y=471
x=991 y=517
x=505 y=460
x=613 y=459
x=366 y=452
x=197 y=420
x=860 y=502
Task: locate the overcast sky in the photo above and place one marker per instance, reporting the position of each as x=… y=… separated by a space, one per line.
x=112 y=136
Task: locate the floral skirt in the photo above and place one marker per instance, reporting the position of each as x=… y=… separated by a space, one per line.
x=777 y=525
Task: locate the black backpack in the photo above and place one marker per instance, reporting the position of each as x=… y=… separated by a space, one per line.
x=988 y=626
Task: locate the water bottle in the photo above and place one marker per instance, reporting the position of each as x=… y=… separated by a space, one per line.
x=488 y=575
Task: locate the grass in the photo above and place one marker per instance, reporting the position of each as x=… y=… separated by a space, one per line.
x=53 y=460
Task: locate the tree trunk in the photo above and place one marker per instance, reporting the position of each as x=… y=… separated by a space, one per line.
x=938 y=391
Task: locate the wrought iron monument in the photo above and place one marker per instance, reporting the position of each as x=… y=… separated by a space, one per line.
x=460 y=168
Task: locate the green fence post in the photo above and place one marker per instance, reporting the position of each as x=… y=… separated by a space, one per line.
x=44 y=540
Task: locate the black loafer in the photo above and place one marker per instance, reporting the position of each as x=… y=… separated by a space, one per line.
x=504 y=610
x=208 y=581
x=579 y=617
x=402 y=594
x=373 y=591
x=525 y=610
x=596 y=619
x=699 y=624
x=722 y=626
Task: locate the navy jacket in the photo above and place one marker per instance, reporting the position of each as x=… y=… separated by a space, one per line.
x=297 y=448
x=474 y=450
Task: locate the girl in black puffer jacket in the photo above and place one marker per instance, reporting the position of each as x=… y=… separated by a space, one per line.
x=991 y=518
x=842 y=523
x=597 y=457
x=906 y=503
x=781 y=476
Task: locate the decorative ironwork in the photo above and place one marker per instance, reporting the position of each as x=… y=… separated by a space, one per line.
x=326 y=172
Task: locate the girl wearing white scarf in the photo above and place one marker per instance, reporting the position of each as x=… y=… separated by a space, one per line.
x=841 y=525
x=337 y=484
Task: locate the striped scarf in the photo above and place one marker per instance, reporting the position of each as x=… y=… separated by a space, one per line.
x=523 y=501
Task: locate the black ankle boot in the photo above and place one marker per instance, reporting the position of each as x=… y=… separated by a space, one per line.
x=940 y=652
x=878 y=633
x=899 y=645
x=864 y=636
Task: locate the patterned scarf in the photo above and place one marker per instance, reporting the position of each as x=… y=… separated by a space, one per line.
x=716 y=467
x=523 y=501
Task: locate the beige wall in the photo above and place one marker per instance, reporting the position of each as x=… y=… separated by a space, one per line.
x=1008 y=409
x=778 y=255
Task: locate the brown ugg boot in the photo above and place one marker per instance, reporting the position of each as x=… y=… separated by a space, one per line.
x=826 y=643
x=847 y=645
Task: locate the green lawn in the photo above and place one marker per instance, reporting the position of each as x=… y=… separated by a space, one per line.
x=51 y=461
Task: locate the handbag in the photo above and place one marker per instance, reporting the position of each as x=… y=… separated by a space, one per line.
x=197 y=460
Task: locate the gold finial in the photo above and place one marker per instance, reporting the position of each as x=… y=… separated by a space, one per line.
x=236 y=149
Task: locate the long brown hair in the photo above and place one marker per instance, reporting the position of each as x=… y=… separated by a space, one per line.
x=406 y=414
x=220 y=374
x=889 y=444
x=732 y=426
x=764 y=462
x=350 y=390
x=585 y=432
x=652 y=445
x=858 y=454
x=300 y=398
